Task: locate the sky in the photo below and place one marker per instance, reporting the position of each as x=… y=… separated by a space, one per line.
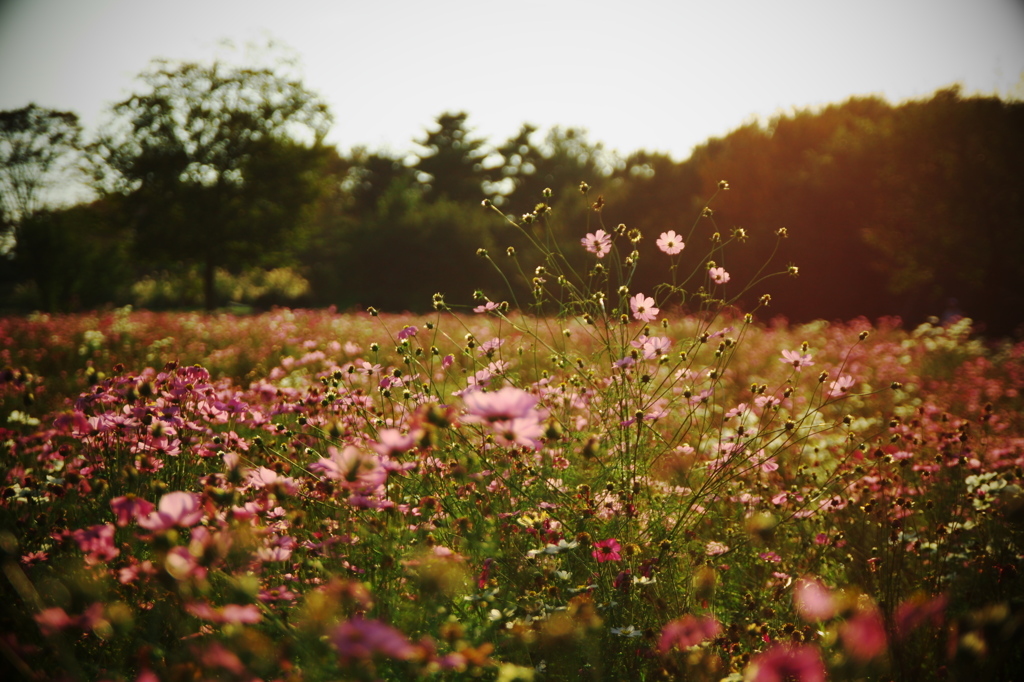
x=655 y=75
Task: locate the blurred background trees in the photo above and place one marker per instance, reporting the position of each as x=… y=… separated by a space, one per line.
x=214 y=182
x=213 y=165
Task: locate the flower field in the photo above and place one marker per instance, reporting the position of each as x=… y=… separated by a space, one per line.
x=611 y=492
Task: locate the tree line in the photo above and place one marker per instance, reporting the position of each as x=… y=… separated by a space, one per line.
x=211 y=173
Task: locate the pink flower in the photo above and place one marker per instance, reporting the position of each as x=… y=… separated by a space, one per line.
x=785 y=663
x=812 y=600
x=97 y=542
x=486 y=307
x=652 y=346
x=356 y=470
x=714 y=548
x=53 y=620
x=447 y=361
x=643 y=308
x=390 y=441
x=178 y=508
x=182 y=565
x=262 y=477
x=505 y=404
x=599 y=243
x=230 y=613
x=359 y=639
x=607 y=550
x=407 y=332
x=736 y=411
x=129 y=507
x=687 y=631
x=864 y=634
x=216 y=656
x=267 y=554
x=841 y=385
x=793 y=357
x=917 y=610
x=718 y=275
x=524 y=431
x=670 y=242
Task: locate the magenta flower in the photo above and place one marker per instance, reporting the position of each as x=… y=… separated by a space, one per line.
x=359 y=639
x=918 y=610
x=230 y=613
x=785 y=663
x=718 y=275
x=505 y=404
x=178 y=508
x=793 y=357
x=97 y=542
x=607 y=550
x=812 y=600
x=864 y=635
x=670 y=242
x=129 y=507
x=643 y=308
x=687 y=631
x=53 y=620
x=407 y=332
x=599 y=243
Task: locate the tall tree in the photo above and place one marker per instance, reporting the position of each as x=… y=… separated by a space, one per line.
x=39 y=149
x=215 y=163
x=452 y=166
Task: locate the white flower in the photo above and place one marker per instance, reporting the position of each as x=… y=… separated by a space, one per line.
x=628 y=631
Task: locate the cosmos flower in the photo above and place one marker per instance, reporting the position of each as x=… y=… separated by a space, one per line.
x=801 y=663
x=670 y=242
x=813 y=601
x=599 y=243
x=687 y=631
x=607 y=550
x=793 y=357
x=360 y=639
x=505 y=404
x=643 y=308
x=177 y=508
x=718 y=275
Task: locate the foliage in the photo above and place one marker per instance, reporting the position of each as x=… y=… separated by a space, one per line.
x=70 y=259
x=607 y=492
x=253 y=288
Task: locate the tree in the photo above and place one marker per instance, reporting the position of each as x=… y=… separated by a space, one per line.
x=215 y=164
x=39 y=148
x=71 y=258
x=453 y=163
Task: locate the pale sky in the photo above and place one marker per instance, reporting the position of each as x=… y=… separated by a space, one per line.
x=657 y=75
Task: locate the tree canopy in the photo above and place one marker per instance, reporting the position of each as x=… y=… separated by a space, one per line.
x=214 y=163
x=39 y=148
